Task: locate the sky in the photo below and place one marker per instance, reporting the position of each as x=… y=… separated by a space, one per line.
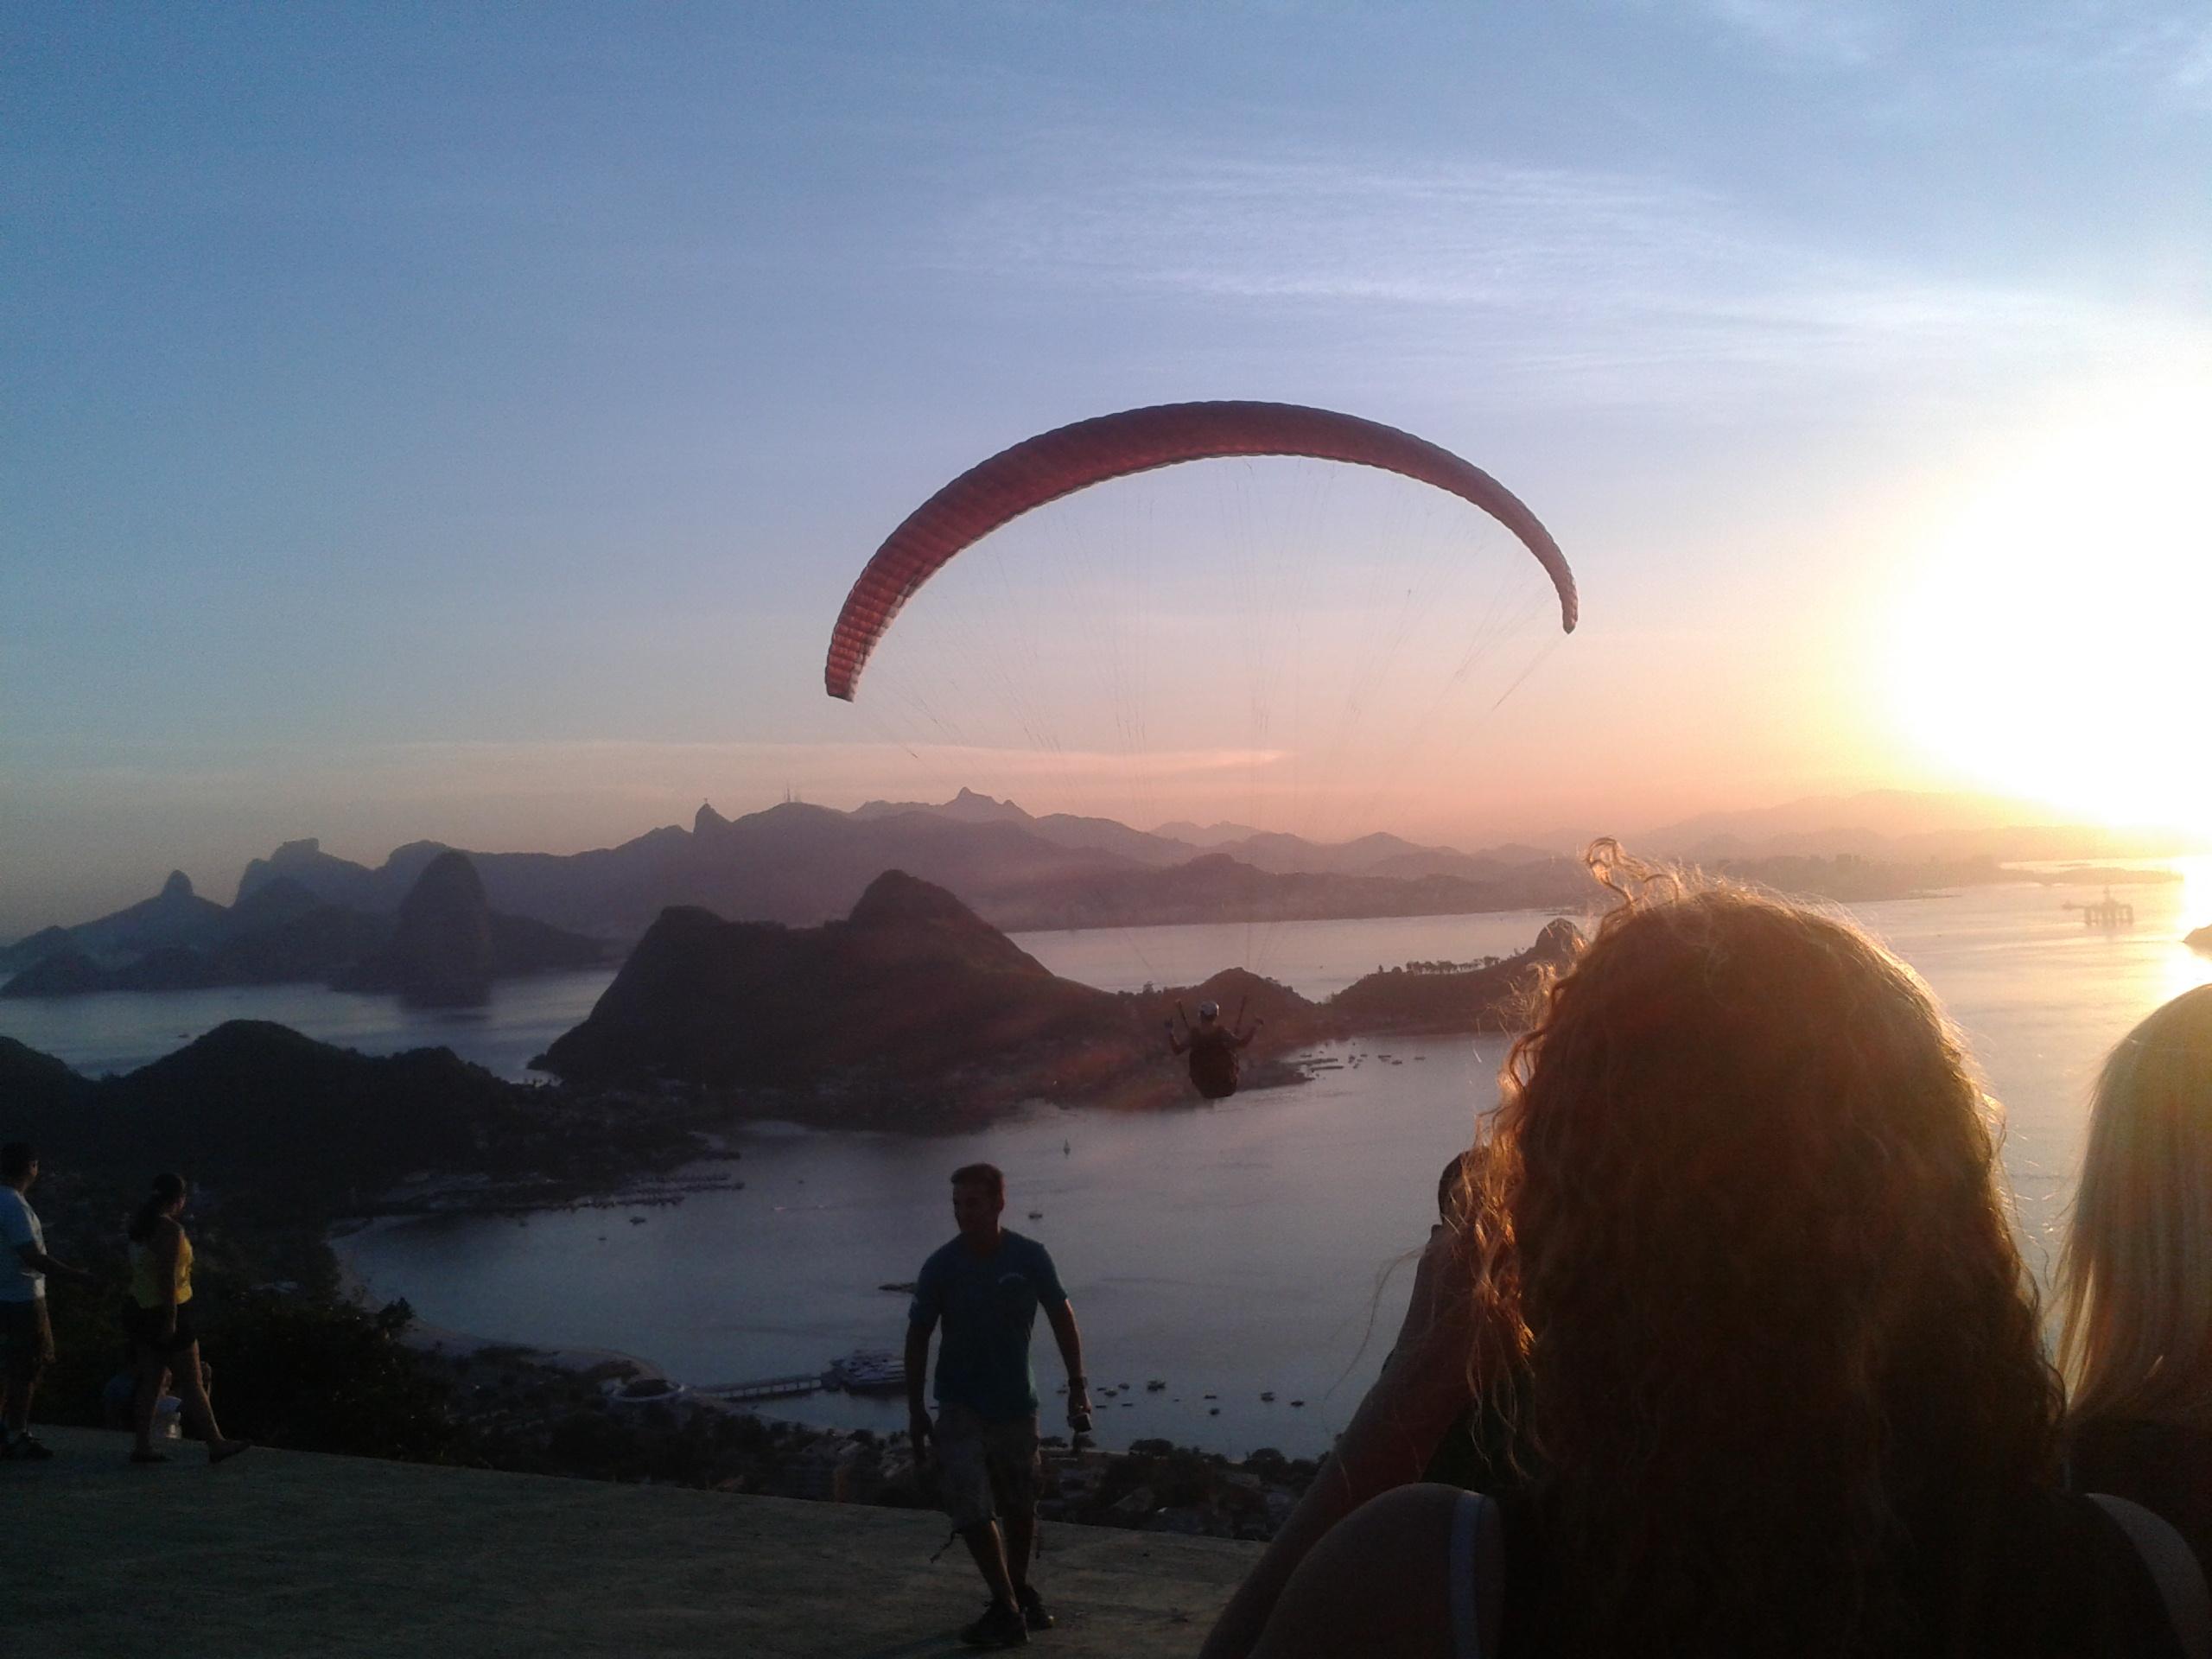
x=464 y=423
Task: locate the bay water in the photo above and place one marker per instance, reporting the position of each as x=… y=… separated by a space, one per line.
x=1260 y=1246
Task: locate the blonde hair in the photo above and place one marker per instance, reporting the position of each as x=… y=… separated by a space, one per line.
x=2135 y=1279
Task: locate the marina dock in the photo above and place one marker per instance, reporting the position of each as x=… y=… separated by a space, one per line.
x=766 y=1388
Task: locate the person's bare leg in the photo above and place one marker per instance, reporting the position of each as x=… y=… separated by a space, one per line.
x=153 y=1373
x=185 y=1368
x=15 y=1406
x=1021 y=1525
x=984 y=1544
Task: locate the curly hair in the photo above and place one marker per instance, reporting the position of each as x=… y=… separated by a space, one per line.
x=2136 y=1277
x=1739 y=1214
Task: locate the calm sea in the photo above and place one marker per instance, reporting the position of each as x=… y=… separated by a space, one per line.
x=120 y=1031
x=1256 y=1246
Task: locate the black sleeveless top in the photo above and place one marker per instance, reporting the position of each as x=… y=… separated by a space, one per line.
x=2064 y=1583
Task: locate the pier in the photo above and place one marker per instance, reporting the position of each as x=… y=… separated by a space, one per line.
x=768 y=1388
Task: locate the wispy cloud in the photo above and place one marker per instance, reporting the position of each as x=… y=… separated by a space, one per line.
x=637 y=770
x=1831 y=33
x=2161 y=49
x=2170 y=55
x=1577 y=286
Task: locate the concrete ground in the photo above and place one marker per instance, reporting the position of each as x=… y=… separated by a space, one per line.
x=292 y=1555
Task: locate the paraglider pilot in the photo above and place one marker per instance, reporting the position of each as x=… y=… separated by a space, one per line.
x=1213 y=1048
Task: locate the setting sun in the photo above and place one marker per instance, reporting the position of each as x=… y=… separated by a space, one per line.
x=2055 y=644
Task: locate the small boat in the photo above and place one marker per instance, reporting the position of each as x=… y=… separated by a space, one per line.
x=1154 y=1386
x=1036 y=1215
x=868 y=1371
x=1267 y=1396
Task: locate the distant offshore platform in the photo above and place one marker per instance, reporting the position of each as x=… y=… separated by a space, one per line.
x=2107 y=911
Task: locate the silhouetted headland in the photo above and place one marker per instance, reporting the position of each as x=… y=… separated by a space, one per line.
x=914 y=1012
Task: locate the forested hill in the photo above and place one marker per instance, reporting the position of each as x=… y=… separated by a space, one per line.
x=279 y=1126
x=258 y=1106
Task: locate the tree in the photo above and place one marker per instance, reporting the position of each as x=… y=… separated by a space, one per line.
x=322 y=1375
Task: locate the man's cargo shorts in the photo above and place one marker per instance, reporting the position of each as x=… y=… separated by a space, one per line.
x=987 y=1468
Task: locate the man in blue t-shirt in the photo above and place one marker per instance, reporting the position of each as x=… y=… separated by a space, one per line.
x=986 y=1286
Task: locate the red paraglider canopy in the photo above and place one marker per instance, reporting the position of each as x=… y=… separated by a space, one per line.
x=1058 y=463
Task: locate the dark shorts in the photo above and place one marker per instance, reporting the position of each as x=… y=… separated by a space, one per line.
x=144 y=1326
x=1214 y=1073
x=987 y=1468
x=25 y=1339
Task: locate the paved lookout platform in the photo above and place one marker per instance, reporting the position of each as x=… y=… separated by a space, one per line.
x=287 y=1553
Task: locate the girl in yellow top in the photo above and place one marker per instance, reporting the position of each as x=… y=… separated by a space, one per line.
x=164 y=1345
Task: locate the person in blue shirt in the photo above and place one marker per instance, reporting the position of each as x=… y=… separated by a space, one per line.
x=985 y=1288
x=26 y=1334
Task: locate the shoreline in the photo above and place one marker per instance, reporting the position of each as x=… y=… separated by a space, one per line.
x=1152 y=1484
x=446 y=1342
x=585 y=1362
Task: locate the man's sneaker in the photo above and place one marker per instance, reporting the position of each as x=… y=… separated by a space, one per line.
x=25 y=1449
x=1033 y=1608
x=1001 y=1626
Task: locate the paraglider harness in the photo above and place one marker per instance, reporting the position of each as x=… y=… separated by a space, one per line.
x=1212 y=1048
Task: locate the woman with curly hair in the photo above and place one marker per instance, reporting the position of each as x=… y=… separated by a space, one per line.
x=2135 y=1282
x=1739 y=1220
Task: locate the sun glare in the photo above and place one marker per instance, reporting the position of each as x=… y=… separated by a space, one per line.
x=2058 y=641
